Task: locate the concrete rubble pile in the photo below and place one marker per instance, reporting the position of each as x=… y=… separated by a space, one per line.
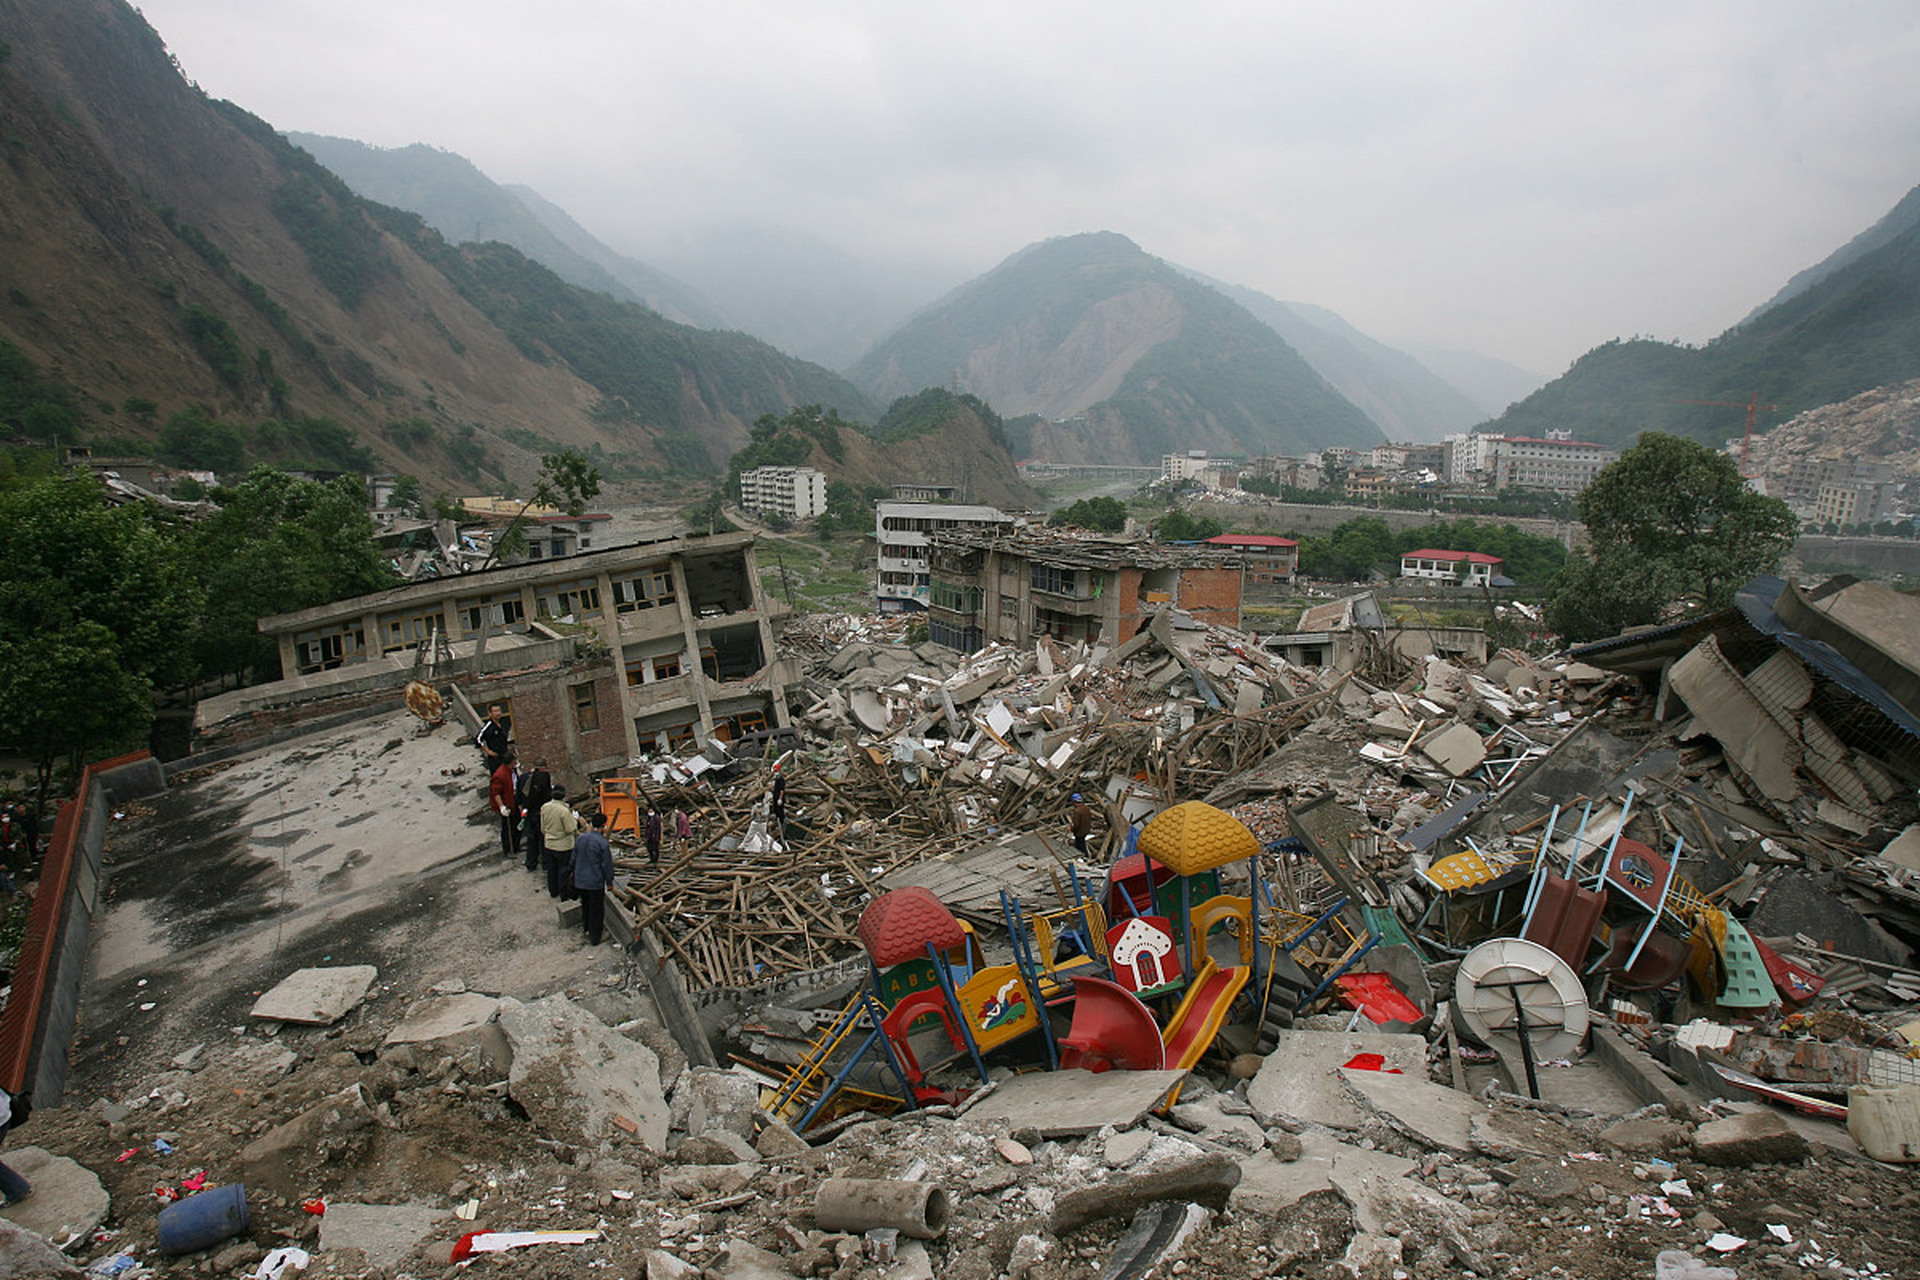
x=914 y=754
x=571 y=1135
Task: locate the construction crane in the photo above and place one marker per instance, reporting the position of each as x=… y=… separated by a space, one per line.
x=1753 y=408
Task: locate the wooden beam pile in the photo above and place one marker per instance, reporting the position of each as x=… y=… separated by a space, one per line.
x=730 y=916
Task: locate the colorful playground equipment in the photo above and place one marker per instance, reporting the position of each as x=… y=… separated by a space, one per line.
x=1605 y=905
x=1143 y=976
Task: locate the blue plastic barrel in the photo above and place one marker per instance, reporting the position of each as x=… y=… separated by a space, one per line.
x=203 y=1220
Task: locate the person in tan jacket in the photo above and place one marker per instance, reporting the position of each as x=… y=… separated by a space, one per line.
x=559 y=824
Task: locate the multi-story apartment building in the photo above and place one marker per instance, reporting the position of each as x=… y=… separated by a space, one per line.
x=1563 y=466
x=1853 y=502
x=1015 y=587
x=901 y=532
x=797 y=493
x=685 y=653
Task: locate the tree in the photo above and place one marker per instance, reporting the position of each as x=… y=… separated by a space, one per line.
x=96 y=609
x=1102 y=515
x=278 y=544
x=193 y=439
x=405 y=496
x=67 y=693
x=567 y=483
x=1178 y=526
x=1669 y=521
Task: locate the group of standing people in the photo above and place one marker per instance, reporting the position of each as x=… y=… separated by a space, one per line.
x=538 y=824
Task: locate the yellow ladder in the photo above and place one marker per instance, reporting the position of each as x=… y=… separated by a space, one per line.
x=859 y=1015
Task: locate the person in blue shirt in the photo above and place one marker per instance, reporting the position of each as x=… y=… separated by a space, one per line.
x=592 y=874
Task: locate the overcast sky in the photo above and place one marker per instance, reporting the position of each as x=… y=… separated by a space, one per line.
x=1524 y=180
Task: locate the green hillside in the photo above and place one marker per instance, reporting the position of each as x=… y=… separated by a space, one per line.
x=1855 y=327
x=647 y=368
x=1182 y=361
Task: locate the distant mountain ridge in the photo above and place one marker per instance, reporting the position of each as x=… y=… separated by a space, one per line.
x=166 y=252
x=1844 y=327
x=467 y=207
x=1403 y=397
x=1124 y=356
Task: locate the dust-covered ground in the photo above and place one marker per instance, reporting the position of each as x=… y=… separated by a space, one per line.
x=365 y=846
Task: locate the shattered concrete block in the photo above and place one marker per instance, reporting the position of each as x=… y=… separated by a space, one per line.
x=712 y=1098
x=1370 y=1257
x=387 y=1234
x=1644 y=1136
x=68 y=1198
x=26 y=1253
x=1752 y=1137
x=662 y=1265
x=1430 y=1114
x=744 y=1260
x=1456 y=748
x=316 y=997
x=715 y=1146
x=1300 y=1078
x=705 y=1181
x=778 y=1139
x=270 y=1158
x=1174 y=1170
x=578 y=1078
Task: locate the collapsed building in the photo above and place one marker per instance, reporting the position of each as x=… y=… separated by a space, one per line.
x=1415 y=963
x=596 y=657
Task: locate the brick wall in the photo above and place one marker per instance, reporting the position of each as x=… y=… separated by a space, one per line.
x=547 y=724
x=1211 y=595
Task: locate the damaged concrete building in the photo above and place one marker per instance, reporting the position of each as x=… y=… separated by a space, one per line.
x=598 y=657
x=1013 y=588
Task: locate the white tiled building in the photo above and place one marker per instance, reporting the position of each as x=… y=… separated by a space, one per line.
x=901 y=533
x=798 y=493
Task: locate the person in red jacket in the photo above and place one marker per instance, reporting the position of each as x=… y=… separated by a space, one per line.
x=502 y=794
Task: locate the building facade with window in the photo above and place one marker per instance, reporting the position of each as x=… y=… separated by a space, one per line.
x=1475 y=568
x=901 y=532
x=1266 y=560
x=684 y=653
x=1016 y=587
x=797 y=493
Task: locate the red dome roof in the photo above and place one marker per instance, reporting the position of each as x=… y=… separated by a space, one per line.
x=897 y=926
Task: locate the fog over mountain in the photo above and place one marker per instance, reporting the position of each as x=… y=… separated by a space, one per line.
x=1523 y=181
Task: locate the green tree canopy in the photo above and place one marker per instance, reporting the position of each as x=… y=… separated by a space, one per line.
x=1178 y=526
x=1102 y=515
x=1671 y=521
x=96 y=609
x=279 y=544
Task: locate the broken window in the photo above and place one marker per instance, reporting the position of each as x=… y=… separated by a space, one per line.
x=644 y=589
x=732 y=653
x=325 y=648
x=577 y=599
x=718 y=585
x=1047 y=577
x=479 y=613
x=407 y=630
x=586 y=710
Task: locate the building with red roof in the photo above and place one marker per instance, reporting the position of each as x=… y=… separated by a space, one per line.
x=1475 y=567
x=1268 y=560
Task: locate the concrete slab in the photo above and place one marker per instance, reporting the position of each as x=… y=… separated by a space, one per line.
x=386 y=1233
x=67 y=1197
x=1456 y=748
x=1299 y=1079
x=1071 y=1104
x=578 y=1078
x=316 y=997
x=1430 y=1114
x=1269 y=1185
x=438 y=1017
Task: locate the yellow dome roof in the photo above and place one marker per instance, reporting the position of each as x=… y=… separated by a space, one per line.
x=1194 y=837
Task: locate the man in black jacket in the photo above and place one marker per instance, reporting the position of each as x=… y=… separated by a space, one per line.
x=494 y=739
